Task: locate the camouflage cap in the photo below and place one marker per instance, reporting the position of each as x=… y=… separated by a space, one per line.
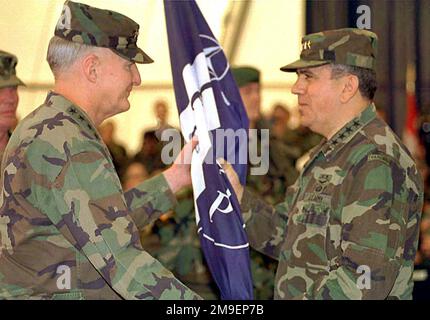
x=81 y=23
x=349 y=46
x=8 y=76
x=245 y=75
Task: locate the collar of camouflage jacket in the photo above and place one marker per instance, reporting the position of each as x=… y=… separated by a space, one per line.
x=330 y=147
x=79 y=116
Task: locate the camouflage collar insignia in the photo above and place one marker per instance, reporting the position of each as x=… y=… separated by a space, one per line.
x=324 y=178
x=75 y=112
x=344 y=135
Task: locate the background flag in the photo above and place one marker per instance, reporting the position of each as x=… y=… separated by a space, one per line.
x=210 y=106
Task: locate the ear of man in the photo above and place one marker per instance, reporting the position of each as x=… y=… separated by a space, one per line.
x=350 y=88
x=90 y=67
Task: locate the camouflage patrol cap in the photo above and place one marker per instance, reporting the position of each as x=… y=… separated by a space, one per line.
x=83 y=24
x=245 y=75
x=349 y=46
x=8 y=76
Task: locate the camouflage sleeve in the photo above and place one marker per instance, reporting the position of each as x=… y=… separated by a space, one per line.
x=378 y=232
x=265 y=224
x=149 y=200
x=77 y=188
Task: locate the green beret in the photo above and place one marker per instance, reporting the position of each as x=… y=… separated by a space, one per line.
x=245 y=75
x=348 y=46
x=83 y=24
x=8 y=76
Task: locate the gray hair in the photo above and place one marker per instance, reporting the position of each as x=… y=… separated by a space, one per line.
x=366 y=78
x=62 y=54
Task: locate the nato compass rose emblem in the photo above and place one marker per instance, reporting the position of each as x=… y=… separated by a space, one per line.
x=211 y=49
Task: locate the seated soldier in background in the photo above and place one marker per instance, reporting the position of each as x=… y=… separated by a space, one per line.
x=134 y=174
x=279 y=119
x=161 y=112
x=150 y=153
x=9 y=98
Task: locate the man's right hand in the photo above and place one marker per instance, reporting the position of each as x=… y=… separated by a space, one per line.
x=179 y=175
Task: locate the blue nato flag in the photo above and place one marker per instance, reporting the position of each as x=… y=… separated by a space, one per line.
x=210 y=107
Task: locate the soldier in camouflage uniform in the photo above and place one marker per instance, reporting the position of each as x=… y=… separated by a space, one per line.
x=67 y=230
x=349 y=226
x=9 y=83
